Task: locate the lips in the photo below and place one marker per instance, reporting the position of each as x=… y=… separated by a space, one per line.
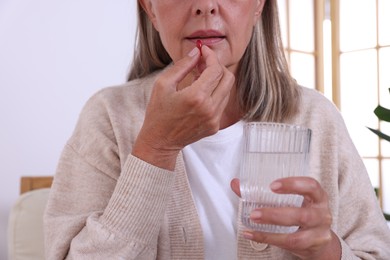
x=208 y=37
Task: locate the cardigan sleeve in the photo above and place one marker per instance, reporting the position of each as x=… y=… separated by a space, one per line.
x=357 y=218
x=361 y=224
x=100 y=207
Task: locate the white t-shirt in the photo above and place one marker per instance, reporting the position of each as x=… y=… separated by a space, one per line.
x=211 y=164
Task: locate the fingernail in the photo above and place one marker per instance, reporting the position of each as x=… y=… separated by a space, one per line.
x=256 y=214
x=193 y=52
x=275 y=185
x=247 y=235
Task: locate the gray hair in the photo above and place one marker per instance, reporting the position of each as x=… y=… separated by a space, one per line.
x=265 y=89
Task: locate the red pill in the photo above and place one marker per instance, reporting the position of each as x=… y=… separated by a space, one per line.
x=199 y=45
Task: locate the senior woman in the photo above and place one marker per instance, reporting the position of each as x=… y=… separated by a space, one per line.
x=148 y=169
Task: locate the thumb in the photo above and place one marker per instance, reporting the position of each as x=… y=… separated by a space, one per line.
x=235 y=186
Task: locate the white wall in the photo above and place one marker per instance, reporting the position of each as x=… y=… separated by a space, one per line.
x=54 y=54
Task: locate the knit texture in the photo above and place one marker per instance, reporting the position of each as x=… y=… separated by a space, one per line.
x=107 y=204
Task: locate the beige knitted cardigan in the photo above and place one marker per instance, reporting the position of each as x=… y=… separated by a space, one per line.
x=107 y=204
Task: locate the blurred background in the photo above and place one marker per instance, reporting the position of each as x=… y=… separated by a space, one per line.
x=55 y=54
x=342 y=48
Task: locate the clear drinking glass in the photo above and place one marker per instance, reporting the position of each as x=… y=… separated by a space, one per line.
x=271 y=151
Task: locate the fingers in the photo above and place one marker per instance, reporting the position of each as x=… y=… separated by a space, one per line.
x=176 y=73
x=313 y=213
x=213 y=75
x=214 y=80
x=214 y=83
x=308 y=187
x=305 y=186
x=314 y=219
x=304 y=217
x=225 y=84
x=182 y=111
x=301 y=243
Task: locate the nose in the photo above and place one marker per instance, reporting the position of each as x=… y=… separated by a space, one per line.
x=205 y=7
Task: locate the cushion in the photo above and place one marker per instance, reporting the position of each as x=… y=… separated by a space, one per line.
x=25 y=226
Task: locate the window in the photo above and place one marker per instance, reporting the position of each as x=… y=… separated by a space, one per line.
x=343 y=47
x=299 y=39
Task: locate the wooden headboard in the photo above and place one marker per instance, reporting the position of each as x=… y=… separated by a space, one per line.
x=28 y=183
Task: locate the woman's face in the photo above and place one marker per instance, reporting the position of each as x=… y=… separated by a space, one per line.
x=224 y=25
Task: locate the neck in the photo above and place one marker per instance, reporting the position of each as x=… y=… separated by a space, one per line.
x=232 y=112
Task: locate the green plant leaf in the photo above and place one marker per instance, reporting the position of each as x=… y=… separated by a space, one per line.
x=382 y=113
x=380 y=134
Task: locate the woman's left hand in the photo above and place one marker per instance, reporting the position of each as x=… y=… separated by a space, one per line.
x=314 y=239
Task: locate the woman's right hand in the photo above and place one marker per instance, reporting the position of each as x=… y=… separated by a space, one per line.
x=177 y=117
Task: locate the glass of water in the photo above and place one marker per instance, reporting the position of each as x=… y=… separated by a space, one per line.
x=271 y=151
